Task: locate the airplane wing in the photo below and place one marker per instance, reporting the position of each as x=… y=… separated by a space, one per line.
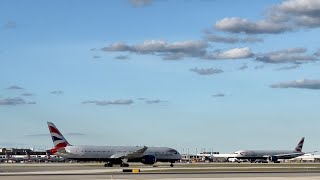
x=292 y=154
x=289 y=155
x=134 y=154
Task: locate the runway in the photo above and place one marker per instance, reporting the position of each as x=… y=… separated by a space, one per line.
x=94 y=172
x=169 y=176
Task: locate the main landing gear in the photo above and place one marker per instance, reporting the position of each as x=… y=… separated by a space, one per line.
x=108 y=164
x=171 y=165
x=124 y=165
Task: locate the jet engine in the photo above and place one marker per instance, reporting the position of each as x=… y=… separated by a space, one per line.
x=148 y=159
x=273 y=158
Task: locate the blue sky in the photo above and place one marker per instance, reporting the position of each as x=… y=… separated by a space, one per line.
x=220 y=74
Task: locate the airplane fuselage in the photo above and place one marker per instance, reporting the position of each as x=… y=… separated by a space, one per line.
x=265 y=154
x=106 y=153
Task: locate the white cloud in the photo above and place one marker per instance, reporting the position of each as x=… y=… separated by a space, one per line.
x=294 y=55
x=240 y=25
x=286 y=16
x=236 y=53
x=303 y=83
x=174 y=50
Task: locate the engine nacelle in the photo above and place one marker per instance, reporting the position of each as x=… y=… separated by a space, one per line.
x=148 y=159
x=272 y=158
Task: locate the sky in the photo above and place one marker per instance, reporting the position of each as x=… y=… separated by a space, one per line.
x=222 y=74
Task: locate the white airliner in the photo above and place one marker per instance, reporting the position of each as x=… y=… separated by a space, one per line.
x=269 y=155
x=111 y=154
x=9 y=157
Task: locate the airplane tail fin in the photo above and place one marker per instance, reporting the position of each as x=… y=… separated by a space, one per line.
x=300 y=145
x=58 y=140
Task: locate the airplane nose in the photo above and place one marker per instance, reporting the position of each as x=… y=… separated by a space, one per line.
x=178 y=155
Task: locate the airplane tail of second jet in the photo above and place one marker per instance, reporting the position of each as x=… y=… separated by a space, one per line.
x=300 y=145
x=58 y=140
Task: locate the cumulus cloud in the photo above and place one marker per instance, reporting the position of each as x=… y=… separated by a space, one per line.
x=15 y=87
x=295 y=55
x=12 y=101
x=219 y=95
x=106 y=103
x=295 y=66
x=286 y=16
x=206 y=71
x=240 y=25
x=304 y=13
x=169 y=51
x=57 y=92
x=303 y=83
x=140 y=3
x=122 y=57
x=231 y=39
x=236 y=53
x=179 y=50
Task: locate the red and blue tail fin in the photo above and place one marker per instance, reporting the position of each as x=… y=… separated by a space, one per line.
x=58 y=140
x=300 y=145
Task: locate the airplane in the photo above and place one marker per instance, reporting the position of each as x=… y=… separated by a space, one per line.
x=110 y=154
x=269 y=155
x=14 y=158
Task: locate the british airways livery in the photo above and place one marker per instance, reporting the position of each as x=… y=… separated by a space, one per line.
x=270 y=155
x=111 y=154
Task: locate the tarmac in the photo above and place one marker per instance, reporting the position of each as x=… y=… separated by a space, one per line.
x=66 y=171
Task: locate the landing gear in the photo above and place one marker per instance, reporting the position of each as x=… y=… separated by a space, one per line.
x=171 y=165
x=124 y=165
x=108 y=164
